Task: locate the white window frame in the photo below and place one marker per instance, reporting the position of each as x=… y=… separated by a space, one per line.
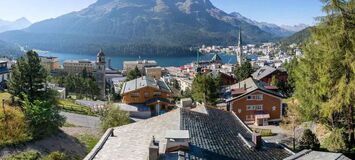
x=258 y=107
x=258 y=97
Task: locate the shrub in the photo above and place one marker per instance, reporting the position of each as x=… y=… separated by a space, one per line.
x=309 y=140
x=43 y=117
x=16 y=130
x=336 y=142
x=29 y=155
x=113 y=117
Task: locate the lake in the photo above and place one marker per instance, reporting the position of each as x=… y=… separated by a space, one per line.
x=117 y=61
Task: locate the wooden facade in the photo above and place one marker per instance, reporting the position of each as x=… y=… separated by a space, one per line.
x=247 y=106
x=142 y=95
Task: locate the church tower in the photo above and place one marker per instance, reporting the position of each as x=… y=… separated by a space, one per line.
x=100 y=73
x=240 y=57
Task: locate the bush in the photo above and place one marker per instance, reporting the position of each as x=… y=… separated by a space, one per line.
x=16 y=131
x=29 y=155
x=113 y=117
x=43 y=117
x=336 y=142
x=309 y=140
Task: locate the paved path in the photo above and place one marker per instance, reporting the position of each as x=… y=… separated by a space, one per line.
x=82 y=120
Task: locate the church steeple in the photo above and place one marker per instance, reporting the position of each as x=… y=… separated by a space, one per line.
x=240 y=56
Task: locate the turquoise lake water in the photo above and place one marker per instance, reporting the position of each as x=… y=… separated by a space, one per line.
x=117 y=61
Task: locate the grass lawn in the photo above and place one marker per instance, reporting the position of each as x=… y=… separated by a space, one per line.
x=71 y=106
x=88 y=140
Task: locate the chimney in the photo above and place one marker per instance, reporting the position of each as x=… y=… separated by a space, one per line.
x=153 y=150
x=245 y=86
x=257 y=140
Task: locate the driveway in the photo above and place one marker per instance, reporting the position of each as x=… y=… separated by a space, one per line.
x=82 y=120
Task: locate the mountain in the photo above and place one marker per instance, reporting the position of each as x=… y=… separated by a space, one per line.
x=15 y=25
x=132 y=27
x=267 y=27
x=297 y=38
x=295 y=28
x=9 y=49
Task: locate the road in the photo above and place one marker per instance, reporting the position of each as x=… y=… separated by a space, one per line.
x=82 y=120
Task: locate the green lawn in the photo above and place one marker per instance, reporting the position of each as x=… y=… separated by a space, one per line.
x=88 y=140
x=71 y=106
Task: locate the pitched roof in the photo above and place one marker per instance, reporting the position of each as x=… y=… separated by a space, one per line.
x=250 y=85
x=144 y=81
x=213 y=135
x=263 y=72
x=317 y=155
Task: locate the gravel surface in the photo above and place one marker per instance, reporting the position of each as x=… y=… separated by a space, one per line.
x=82 y=120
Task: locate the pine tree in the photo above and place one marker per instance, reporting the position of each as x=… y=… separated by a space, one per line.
x=133 y=74
x=309 y=140
x=29 y=78
x=324 y=78
x=244 y=71
x=204 y=89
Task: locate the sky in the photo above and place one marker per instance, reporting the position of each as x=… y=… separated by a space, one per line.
x=288 y=12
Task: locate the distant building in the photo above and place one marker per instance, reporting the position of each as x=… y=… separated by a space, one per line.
x=100 y=73
x=61 y=90
x=154 y=72
x=50 y=63
x=77 y=66
x=140 y=64
x=96 y=68
x=226 y=79
x=4 y=74
x=240 y=56
x=253 y=102
x=185 y=83
x=266 y=73
x=148 y=91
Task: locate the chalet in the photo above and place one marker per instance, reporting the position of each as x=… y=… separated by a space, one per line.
x=266 y=73
x=148 y=91
x=252 y=102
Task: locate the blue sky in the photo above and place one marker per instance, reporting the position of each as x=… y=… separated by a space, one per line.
x=288 y=12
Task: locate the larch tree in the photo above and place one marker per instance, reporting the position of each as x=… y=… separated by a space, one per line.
x=324 y=78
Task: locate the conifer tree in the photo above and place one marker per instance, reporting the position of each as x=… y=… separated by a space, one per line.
x=324 y=78
x=29 y=78
x=244 y=71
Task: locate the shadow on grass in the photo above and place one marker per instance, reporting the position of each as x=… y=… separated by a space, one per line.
x=60 y=141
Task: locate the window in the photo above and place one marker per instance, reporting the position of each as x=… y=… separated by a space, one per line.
x=135 y=94
x=249 y=117
x=156 y=94
x=146 y=94
x=273 y=108
x=254 y=107
x=255 y=97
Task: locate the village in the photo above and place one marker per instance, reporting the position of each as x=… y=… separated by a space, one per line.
x=253 y=94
